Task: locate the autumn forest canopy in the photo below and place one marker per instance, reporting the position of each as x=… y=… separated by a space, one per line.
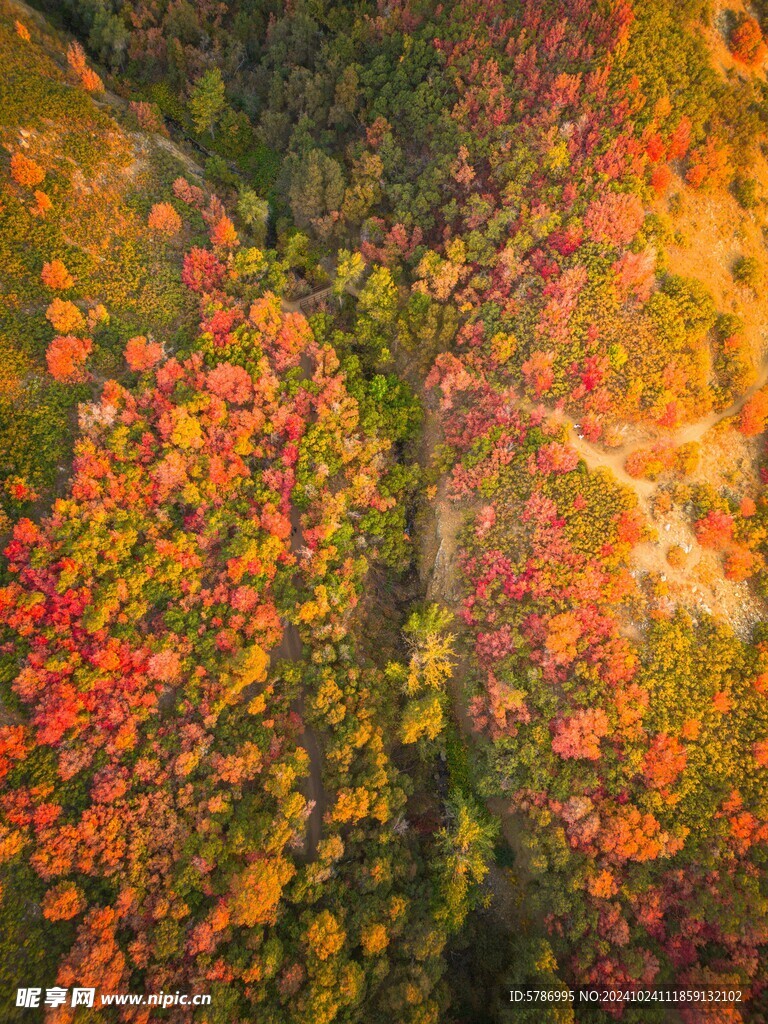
x=384 y=509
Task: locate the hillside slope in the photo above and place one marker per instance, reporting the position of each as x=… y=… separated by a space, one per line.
x=83 y=200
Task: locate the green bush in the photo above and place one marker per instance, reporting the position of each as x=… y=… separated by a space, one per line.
x=746 y=192
x=746 y=270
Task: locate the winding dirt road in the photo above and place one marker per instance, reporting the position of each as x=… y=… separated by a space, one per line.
x=614 y=459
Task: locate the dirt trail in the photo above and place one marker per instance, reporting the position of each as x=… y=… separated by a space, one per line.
x=597 y=458
x=290 y=649
x=437 y=566
x=695 y=431
x=614 y=459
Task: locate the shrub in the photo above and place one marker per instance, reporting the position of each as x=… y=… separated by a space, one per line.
x=64 y=316
x=56 y=276
x=25 y=171
x=76 y=58
x=223 y=233
x=746 y=43
x=676 y=557
x=66 y=356
x=740 y=564
x=715 y=530
x=746 y=192
x=189 y=194
x=746 y=270
x=217 y=170
x=141 y=354
x=164 y=219
x=148 y=116
x=42 y=204
x=754 y=414
x=90 y=81
x=661 y=176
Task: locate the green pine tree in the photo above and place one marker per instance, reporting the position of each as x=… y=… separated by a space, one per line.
x=207 y=101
